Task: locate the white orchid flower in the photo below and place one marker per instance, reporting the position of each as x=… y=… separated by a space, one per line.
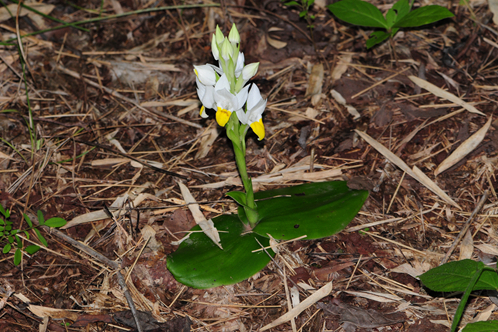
x=206 y=96
x=227 y=102
x=205 y=74
x=226 y=50
x=255 y=108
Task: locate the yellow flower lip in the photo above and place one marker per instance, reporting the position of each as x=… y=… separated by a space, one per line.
x=222 y=116
x=259 y=128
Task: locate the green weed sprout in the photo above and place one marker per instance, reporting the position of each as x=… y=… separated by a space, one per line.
x=362 y=13
x=304 y=8
x=463 y=276
x=9 y=236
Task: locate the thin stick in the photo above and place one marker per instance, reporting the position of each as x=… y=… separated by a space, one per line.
x=465 y=227
x=395 y=192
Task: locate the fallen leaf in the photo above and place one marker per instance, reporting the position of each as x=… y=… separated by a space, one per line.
x=313 y=298
x=362 y=318
x=444 y=94
x=464 y=149
x=493 y=7
x=275 y=43
x=207 y=226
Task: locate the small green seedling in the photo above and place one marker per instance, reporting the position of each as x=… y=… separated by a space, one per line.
x=463 y=276
x=304 y=8
x=9 y=236
x=365 y=14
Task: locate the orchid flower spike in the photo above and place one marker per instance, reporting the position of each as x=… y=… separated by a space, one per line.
x=255 y=108
x=227 y=102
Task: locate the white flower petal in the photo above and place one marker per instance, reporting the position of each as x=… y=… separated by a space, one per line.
x=206 y=74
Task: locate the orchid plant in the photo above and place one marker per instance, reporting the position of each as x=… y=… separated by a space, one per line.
x=312 y=210
x=224 y=89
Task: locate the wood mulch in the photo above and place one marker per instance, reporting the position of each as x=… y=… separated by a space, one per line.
x=116 y=125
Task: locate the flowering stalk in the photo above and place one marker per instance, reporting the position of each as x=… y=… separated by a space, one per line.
x=238 y=106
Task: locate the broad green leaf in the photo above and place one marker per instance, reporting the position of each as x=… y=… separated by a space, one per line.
x=41 y=218
x=292 y=3
x=422 y=16
x=8 y=227
x=303 y=13
x=6 y=248
x=32 y=249
x=316 y=210
x=2 y=228
x=27 y=234
x=310 y=3
x=1 y=233
x=358 y=12
x=17 y=257
x=55 y=222
x=489 y=326
x=238 y=196
x=1 y=221
x=455 y=276
x=397 y=11
x=377 y=37
x=199 y=263
x=11 y=239
x=40 y=237
x=18 y=241
x=28 y=220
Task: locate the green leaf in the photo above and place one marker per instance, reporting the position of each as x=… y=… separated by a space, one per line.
x=315 y=209
x=292 y=3
x=40 y=237
x=422 y=16
x=17 y=257
x=358 y=12
x=397 y=11
x=1 y=221
x=238 y=196
x=310 y=3
x=55 y=222
x=6 y=248
x=8 y=227
x=27 y=234
x=18 y=241
x=377 y=37
x=303 y=13
x=1 y=233
x=28 y=220
x=455 y=276
x=489 y=326
x=199 y=263
x=41 y=218
x=32 y=249
x=11 y=239
x=5 y=213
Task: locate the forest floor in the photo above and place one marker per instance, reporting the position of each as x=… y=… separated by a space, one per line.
x=103 y=112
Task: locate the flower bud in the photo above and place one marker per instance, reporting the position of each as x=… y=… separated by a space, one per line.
x=214 y=48
x=226 y=50
x=234 y=36
x=249 y=71
x=219 y=35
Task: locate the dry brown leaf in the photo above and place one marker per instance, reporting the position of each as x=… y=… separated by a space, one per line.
x=315 y=80
x=342 y=66
x=416 y=173
x=43 y=8
x=206 y=143
x=275 y=43
x=340 y=99
x=109 y=162
x=312 y=299
x=376 y=296
x=207 y=226
x=464 y=149
x=493 y=7
x=444 y=94
x=466 y=246
x=52 y=312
